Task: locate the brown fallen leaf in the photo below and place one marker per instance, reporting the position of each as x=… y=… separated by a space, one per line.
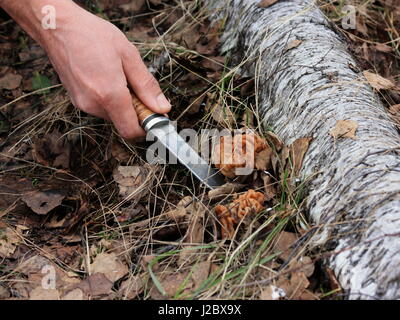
x=133 y=5
x=195 y=219
x=223 y=115
x=298 y=150
x=214 y=63
x=293 y=44
x=269 y=186
x=211 y=43
x=383 y=48
x=39 y=293
x=109 y=265
x=35 y=269
x=272 y=292
x=263 y=159
x=4 y=293
x=42 y=202
x=266 y=3
x=395 y=110
x=96 y=284
x=131 y=287
x=289 y=287
x=75 y=294
x=172 y=282
x=378 y=82
x=200 y=273
x=9 y=79
x=283 y=243
x=182 y=211
x=9 y=241
x=141 y=33
x=52 y=149
x=344 y=129
x=274 y=140
x=333 y=281
x=195 y=105
x=134 y=182
x=119 y=152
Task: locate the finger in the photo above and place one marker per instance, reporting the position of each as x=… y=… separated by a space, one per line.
x=97 y=112
x=119 y=108
x=143 y=83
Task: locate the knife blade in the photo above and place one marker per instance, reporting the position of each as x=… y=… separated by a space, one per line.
x=160 y=127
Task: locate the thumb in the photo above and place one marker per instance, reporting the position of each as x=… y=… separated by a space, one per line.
x=143 y=83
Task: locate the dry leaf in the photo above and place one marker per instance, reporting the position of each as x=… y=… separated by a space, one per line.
x=223 y=115
x=39 y=293
x=53 y=149
x=289 y=288
x=293 y=44
x=4 y=293
x=263 y=159
x=395 y=109
x=195 y=230
x=96 y=284
x=383 y=48
x=119 y=152
x=344 y=129
x=172 y=282
x=266 y=3
x=361 y=25
x=273 y=292
x=42 y=202
x=131 y=287
x=9 y=80
x=182 y=210
x=141 y=33
x=76 y=294
x=133 y=5
x=283 y=243
x=109 y=265
x=378 y=82
x=333 y=281
x=304 y=264
x=9 y=241
x=269 y=186
x=298 y=150
x=200 y=273
x=134 y=182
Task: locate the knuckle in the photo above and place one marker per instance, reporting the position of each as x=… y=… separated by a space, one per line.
x=108 y=96
x=149 y=82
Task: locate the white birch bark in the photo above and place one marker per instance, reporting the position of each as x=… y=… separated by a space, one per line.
x=354 y=188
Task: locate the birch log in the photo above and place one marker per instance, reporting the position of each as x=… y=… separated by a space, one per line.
x=302 y=92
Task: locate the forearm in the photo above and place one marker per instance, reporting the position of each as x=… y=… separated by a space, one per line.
x=29 y=15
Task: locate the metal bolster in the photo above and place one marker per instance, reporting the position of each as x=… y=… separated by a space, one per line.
x=153 y=120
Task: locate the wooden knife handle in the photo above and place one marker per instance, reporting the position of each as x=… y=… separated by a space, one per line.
x=141 y=110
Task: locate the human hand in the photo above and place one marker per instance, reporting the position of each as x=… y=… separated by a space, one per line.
x=96 y=63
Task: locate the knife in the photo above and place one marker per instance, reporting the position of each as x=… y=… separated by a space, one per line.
x=161 y=127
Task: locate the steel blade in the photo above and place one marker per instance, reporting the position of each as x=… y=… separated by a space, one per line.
x=181 y=150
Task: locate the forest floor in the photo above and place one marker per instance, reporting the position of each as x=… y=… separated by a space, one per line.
x=79 y=202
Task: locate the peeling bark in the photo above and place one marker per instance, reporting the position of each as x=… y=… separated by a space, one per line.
x=302 y=92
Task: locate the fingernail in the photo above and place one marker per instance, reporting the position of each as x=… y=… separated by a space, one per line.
x=163 y=103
